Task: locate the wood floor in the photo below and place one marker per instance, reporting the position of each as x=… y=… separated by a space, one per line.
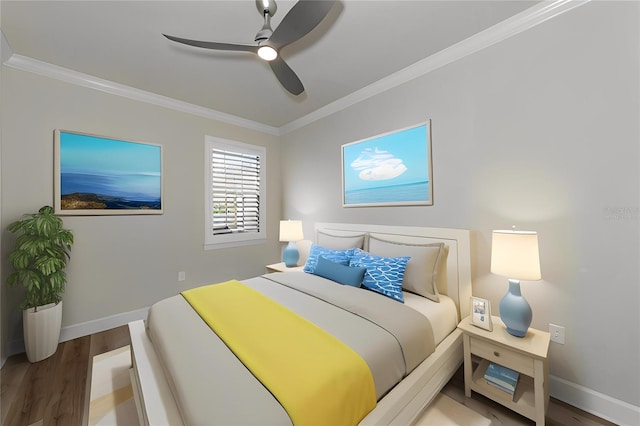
x=558 y=413
x=56 y=391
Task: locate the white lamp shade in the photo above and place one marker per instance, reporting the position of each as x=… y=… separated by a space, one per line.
x=514 y=254
x=291 y=230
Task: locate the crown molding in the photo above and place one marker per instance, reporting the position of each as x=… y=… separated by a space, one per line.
x=523 y=21
x=5 y=49
x=35 y=66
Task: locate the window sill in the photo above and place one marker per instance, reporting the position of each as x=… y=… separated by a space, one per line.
x=230 y=244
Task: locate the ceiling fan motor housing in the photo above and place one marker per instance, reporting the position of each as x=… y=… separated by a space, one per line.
x=266 y=31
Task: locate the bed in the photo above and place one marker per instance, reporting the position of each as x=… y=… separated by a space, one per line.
x=179 y=377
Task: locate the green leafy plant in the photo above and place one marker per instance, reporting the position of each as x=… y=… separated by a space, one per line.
x=40 y=256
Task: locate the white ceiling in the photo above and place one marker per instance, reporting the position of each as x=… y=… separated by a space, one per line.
x=359 y=43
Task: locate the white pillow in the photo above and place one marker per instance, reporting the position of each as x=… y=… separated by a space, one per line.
x=340 y=242
x=423 y=270
x=303 y=249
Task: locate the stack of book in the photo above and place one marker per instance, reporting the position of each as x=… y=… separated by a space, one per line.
x=502 y=378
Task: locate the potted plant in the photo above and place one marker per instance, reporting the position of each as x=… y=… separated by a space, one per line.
x=39 y=258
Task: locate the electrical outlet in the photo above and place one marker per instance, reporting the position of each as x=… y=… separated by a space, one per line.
x=182 y=276
x=557 y=333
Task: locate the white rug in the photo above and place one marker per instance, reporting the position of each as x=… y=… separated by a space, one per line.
x=112 y=400
x=445 y=411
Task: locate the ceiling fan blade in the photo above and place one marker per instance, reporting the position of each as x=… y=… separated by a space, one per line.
x=304 y=16
x=286 y=76
x=214 y=45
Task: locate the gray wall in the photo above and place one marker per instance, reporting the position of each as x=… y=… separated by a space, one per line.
x=122 y=263
x=538 y=131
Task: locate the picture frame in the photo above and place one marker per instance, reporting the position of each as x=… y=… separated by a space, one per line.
x=390 y=169
x=98 y=175
x=481 y=313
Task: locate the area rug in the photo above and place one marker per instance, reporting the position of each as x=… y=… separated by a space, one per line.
x=445 y=411
x=112 y=400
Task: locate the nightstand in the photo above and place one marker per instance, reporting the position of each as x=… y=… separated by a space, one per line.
x=280 y=267
x=527 y=355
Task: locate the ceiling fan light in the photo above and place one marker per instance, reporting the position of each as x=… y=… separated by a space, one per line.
x=267 y=53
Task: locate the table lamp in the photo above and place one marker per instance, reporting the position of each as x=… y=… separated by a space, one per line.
x=290 y=231
x=514 y=254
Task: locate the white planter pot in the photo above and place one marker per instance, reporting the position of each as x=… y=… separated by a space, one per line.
x=42 y=331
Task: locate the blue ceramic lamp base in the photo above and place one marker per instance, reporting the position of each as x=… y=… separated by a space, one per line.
x=515 y=312
x=290 y=255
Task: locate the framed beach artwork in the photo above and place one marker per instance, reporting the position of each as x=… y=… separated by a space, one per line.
x=392 y=169
x=97 y=175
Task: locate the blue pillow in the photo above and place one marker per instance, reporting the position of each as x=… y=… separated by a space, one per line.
x=346 y=275
x=384 y=274
x=337 y=256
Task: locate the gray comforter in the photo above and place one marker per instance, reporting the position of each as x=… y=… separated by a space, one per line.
x=211 y=386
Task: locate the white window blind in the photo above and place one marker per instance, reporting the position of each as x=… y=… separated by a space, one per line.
x=235 y=187
x=235 y=192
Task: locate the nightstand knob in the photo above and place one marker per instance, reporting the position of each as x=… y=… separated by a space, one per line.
x=496 y=353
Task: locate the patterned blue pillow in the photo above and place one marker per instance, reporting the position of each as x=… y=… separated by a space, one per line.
x=337 y=256
x=384 y=274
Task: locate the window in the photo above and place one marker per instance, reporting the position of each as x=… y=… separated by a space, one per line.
x=234 y=193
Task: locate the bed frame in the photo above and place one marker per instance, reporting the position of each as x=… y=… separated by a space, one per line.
x=403 y=404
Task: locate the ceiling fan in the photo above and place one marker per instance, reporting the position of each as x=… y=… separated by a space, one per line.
x=303 y=17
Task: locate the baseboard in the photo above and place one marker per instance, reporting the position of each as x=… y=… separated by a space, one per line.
x=71 y=332
x=102 y=324
x=596 y=403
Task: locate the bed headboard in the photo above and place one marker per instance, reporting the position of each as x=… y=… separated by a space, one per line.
x=458 y=261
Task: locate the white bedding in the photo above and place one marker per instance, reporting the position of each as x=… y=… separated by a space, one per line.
x=443 y=316
x=210 y=385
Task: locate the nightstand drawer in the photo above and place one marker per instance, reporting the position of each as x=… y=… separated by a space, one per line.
x=502 y=356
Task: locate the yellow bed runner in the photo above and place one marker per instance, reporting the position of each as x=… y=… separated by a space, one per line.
x=316 y=378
